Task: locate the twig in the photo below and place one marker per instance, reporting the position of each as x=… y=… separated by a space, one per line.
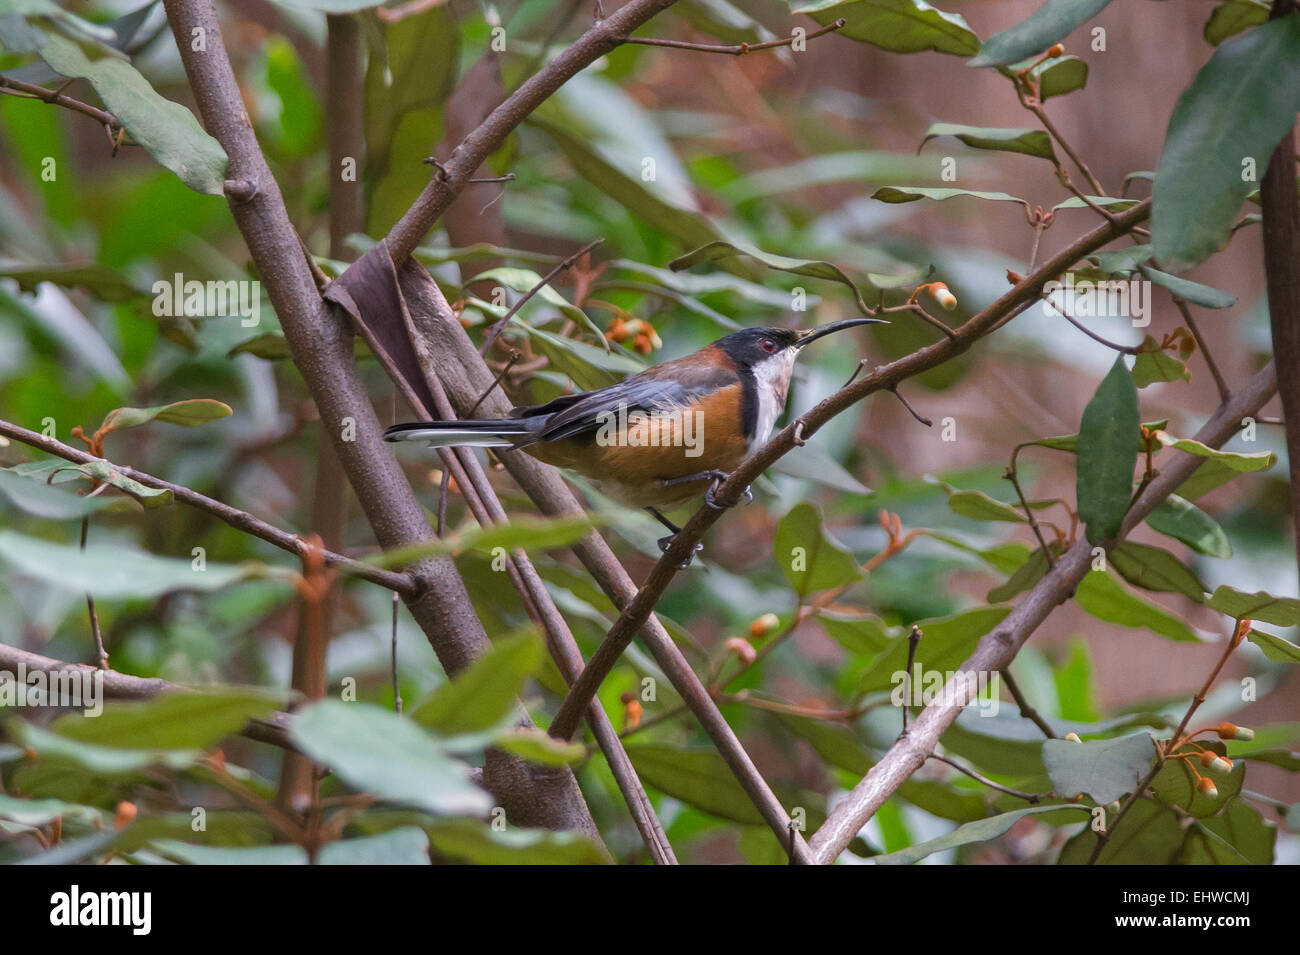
x=1210 y=363
x=910 y=410
x=1125 y=349
x=56 y=98
x=738 y=49
x=563 y=266
x=1031 y=798
x=510 y=363
x=1029 y=514
x=1022 y=704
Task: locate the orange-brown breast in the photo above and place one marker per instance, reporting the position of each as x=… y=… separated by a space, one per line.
x=632 y=463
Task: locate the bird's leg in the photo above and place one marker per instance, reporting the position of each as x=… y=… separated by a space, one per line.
x=715 y=477
x=666 y=542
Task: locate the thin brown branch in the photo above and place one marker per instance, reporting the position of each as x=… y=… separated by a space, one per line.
x=124 y=686
x=563 y=266
x=1219 y=382
x=240 y=520
x=1125 y=349
x=1031 y=798
x=1022 y=704
x=738 y=49
x=57 y=98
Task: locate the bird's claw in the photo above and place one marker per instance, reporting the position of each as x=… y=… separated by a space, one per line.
x=666 y=542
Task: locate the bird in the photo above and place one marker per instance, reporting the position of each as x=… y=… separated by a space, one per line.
x=663 y=437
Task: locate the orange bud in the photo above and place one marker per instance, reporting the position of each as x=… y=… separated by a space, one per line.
x=742 y=649
x=1057 y=50
x=1014 y=278
x=1205 y=786
x=943 y=296
x=1073 y=737
x=1243 y=734
x=762 y=626
x=641 y=344
x=125 y=815
x=632 y=711
x=617 y=331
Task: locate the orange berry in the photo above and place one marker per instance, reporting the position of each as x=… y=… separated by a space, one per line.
x=125 y=815
x=762 y=626
x=1205 y=786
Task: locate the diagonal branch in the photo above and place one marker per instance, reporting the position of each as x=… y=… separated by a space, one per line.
x=1023 y=294
x=997 y=648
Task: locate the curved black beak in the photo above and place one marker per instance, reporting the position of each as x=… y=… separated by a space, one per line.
x=812 y=334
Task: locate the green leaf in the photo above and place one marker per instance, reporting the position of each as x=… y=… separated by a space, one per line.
x=982 y=830
x=811 y=558
x=897 y=194
x=536 y=747
x=1104 y=467
x=197 y=719
x=479 y=843
x=105 y=472
x=1117 y=203
x=835 y=743
x=1026 y=575
x=811 y=268
x=111 y=571
x=978 y=506
x=858 y=634
x=1102 y=596
x=191 y=854
x=900 y=26
x=485 y=693
x=1103 y=769
x=168 y=131
x=1236 y=110
x=1031 y=142
x=686 y=225
x=1059 y=75
x=588 y=366
x=408 y=845
x=1182 y=520
x=1220 y=470
x=1049 y=23
x=103 y=283
x=1274 y=647
x=105 y=760
x=698 y=777
x=1231 y=18
x=44 y=500
x=1152 y=568
x=1149 y=834
x=1237 y=835
x=379 y=752
x=1123 y=260
x=189 y=413
x=523 y=280
x=1279 y=611
x=1155 y=364
x=525 y=531
x=1194 y=292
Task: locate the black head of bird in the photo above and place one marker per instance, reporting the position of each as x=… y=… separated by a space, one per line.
x=659 y=438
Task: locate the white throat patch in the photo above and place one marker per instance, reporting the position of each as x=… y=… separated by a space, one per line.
x=773 y=378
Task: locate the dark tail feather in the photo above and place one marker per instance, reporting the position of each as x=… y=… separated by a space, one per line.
x=492 y=433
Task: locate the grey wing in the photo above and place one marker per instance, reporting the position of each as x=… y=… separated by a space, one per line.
x=593 y=408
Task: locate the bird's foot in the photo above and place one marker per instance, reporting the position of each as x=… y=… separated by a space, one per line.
x=710 y=495
x=667 y=542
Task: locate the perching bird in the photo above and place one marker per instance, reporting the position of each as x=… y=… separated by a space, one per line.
x=662 y=437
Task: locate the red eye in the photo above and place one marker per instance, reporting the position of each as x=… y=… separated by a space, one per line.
x=769 y=345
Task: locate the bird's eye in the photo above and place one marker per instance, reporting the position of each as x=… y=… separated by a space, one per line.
x=769 y=345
